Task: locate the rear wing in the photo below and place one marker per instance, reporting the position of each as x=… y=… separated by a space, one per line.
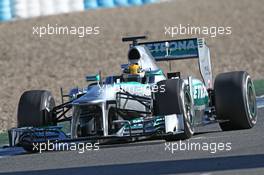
x=194 y=48
x=173 y=49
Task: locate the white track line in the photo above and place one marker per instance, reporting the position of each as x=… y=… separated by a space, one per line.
x=261 y=98
x=215 y=137
x=206 y=138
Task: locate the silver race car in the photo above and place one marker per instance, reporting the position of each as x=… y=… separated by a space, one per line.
x=142 y=102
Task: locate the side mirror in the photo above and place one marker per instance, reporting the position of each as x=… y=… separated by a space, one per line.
x=124 y=66
x=93 y=78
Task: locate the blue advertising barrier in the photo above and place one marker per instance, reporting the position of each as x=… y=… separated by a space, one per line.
x=106 y=3
x=6 y=6
x=5 y=10
x=121 y=3
x=135 y=2
x=90 y=4
x=148 y=1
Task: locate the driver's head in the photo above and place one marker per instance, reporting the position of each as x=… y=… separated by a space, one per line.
x=134 y=69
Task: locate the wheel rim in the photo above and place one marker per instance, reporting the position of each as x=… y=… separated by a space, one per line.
x=251 y=100
x=187 y=101
x=188 y=110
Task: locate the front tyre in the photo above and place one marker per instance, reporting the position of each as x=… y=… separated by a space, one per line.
x=35 y=109
x=235 y=101
x=176 y=99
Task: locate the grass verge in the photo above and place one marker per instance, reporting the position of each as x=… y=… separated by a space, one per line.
x=259 y=87
x=3 y=139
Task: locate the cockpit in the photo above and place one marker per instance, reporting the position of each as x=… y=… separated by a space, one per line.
x=149 y=77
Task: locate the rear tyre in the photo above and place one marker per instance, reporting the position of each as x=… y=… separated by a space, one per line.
x=235 y=101
x=176 y=99
x=35 y=109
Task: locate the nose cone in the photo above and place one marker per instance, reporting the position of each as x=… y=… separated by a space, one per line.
x=94 y=95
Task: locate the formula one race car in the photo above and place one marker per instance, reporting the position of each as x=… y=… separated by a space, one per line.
x=142 y=102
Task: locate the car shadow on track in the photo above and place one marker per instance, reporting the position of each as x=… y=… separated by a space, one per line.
x=163 y=167
x=205 y=132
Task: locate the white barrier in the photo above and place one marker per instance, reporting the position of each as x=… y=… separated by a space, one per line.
x=76 y=5
x=46 y=7
x=33 y=8
x=19 y=8
x=61 y=6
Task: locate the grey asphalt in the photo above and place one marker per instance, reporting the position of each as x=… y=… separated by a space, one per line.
x=153 y=157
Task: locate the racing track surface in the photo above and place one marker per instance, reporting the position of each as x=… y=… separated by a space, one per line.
x=245 y=157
